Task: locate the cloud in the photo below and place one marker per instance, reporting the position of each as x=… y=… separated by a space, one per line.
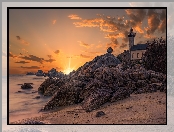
x=12 y=55
x=49 y=56
x=57 y=52
x=22 y=40
x=123 y=45
x=82 y=56
x=117 y=28
x=50 y=60
x=115 y=35
x=84 y=44
x=32 y=58
x=92 y=52
x=18 y=37
x=114 y=43
x=99 y=46
x=23 y=62
x=74 y=17
x=31 y=67
x=156 y=20
x=54 y=22
x=89 y=23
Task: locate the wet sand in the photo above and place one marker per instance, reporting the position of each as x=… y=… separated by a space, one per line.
x=147 y=108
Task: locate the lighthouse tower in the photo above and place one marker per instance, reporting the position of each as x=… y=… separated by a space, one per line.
x=131 y=36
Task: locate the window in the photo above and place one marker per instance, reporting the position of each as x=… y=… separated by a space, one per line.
x=137 y=55
x=132 y=55
x=142 y=54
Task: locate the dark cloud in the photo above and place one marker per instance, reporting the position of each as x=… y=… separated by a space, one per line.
x=57 y=52
x=18 y=37
x=50 y=60
x=12 y=55
x=22 y=40
x=156 y=20
x=33 y=58
x=23 y=62
x=31 y=67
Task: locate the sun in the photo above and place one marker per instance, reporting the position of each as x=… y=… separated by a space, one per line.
x=68 y=70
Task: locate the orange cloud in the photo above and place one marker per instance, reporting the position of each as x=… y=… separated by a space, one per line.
x=138 y=29
x=84 y=44
x=73 y=16
x=118 y=35
x=99 y=46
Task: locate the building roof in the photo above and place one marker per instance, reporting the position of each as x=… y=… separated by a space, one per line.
x=138 y=47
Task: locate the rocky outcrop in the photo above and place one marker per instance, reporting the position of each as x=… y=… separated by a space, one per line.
x=155 y=57
x=99 y=81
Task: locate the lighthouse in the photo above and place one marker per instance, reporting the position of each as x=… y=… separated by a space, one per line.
x=131 y=36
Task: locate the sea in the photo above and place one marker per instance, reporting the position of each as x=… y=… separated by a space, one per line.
x=23 y=103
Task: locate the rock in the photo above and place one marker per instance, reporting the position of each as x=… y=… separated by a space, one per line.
x=40 y=73
x=19 y=84
x=43 y=87
x=37 y=97
x=19 y=91
x=120 y=94
x=141 y=83
x=50 y=90
x=109 y=50
x=30 y=73
x=95 y=99
x=100 y=113
x=154 y=80
x=26 y=86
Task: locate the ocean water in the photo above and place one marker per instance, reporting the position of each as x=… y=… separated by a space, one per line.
x=23 y=104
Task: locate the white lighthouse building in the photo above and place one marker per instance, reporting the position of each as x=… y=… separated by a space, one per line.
x=136 y=51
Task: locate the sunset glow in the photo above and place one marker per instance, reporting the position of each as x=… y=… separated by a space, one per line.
x=65 y=39
x=68 y=69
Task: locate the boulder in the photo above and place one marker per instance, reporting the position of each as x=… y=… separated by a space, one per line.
x=100 y=113
x=26 y=86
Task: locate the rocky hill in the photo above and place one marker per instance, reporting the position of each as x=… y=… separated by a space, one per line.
x=99 y=81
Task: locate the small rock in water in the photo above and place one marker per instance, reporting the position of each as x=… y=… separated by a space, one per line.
x=100 y=113
x=26 y=86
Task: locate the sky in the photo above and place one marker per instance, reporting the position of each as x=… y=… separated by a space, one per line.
x=65 y=39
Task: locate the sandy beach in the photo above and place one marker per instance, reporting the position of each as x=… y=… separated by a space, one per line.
x=147 y=108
